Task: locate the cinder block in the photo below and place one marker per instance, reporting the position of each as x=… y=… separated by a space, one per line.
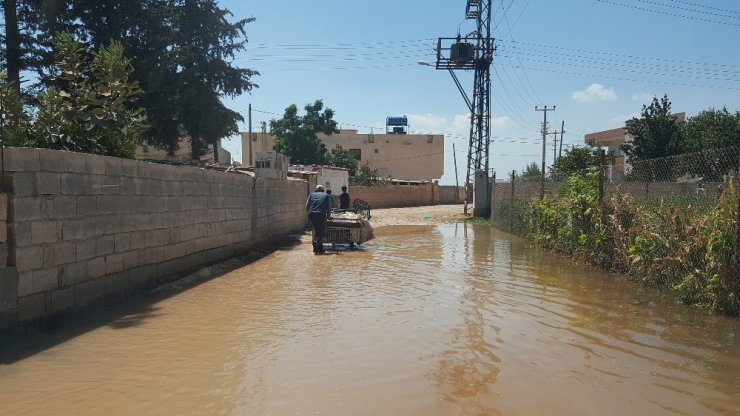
x=74 y=162
x=59 y=253
x=28 y=258
x=94 y=164
x=8 y=289
x=51 y=160
x=128 y=167
x=44 y=232
x=65 y=207
x=72 y=229
x=21 y=159
x=38 y=281
x=113 y=263
x=19 y=233
x=142 y=275
x=122 y=242
x=104 y=245
x=62 y=299
x=31 y=307
x=113 y=166
x=48 y=183
x=85 y=249
x=87 y=205
x=138 y=239
x=73 y=273
x=84 y=292
x=3 y=207
x=22 y=184
x=72 y=184
x=106 y=204
x=23 y=209
x=96 y=267
x=130 y=260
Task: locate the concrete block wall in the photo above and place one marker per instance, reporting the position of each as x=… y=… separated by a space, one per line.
x=451 y=194
x=81 y=227
x=396 y=196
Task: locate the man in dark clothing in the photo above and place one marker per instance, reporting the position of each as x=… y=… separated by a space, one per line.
x=344 y=199
x=318 y=206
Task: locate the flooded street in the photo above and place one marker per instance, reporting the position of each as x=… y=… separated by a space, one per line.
x=439 y=319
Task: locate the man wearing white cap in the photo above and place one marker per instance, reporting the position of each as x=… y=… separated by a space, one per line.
x=318 y=206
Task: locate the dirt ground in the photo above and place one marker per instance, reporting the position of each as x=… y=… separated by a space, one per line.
x=434 y=214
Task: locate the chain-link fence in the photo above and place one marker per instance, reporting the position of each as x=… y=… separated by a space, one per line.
x=672 y=222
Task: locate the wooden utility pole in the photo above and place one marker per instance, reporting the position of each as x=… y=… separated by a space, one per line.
x=544 y=147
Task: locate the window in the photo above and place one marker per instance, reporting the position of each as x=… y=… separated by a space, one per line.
x=376 y=150
x=356 y=153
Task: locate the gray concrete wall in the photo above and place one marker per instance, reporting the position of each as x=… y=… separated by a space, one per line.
x=451 y=194
x=82 y=227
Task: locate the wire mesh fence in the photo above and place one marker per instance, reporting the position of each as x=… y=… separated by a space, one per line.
x=673 y=222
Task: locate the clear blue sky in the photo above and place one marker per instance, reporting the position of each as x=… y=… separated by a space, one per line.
x=598 y=61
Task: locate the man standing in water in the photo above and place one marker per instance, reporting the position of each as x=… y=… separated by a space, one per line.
x=344 y=199
x=318 y=206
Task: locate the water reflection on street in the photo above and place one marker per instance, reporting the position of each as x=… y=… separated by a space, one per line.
x=425 y=320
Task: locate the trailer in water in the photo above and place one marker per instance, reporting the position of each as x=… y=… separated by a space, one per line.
x=349 y=226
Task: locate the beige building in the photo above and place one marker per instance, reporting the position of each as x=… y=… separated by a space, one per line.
x=400 y=156
x=148 y=152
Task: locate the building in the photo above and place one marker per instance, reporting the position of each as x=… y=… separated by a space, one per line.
x=400 y=156
x=332 y=178
x=148 y=152
x=613 y=140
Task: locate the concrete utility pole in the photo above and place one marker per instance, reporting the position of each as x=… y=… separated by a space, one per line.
x=250 y=136
x=562 y=137
x=544 y=146
x=555 y=146
x=457 y=184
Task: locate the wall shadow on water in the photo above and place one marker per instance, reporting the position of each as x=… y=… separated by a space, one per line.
x=23 y=341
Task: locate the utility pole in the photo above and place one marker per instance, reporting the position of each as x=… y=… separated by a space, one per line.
x=457 y=184
x=555 y=146
x=250 y=136
x=474 y=52
x=544 y=146
x=562 y=137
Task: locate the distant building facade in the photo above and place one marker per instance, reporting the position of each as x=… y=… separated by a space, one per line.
x=613 y=140
x=400 y=156
x=145 y=151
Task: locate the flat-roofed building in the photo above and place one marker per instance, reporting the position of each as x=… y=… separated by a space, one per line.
x=400 y=156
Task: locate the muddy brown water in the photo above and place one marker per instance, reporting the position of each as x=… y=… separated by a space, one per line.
x=449 y=319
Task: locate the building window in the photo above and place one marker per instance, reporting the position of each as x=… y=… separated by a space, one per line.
x=376 y=150
x=356 y=153
x=430 y=138
x=262 y=164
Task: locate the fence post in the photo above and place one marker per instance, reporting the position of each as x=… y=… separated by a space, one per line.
x=601 y=175
x=493 y=196
x=511 y=203
x=737 y=218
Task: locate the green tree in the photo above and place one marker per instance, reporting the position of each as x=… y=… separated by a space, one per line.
x=88 y=112
x=296 y=135
x=342 y=158
x=531 y=172
x=181 y=50
x=365 y=176
x=710 y=129
x=655 y=133
x=16 y=122
x=577 y=159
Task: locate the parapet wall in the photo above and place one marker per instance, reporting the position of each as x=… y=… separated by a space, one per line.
x=82 y=227
x=396 y=196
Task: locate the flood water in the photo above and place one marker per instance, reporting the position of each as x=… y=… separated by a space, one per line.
x=455 y=319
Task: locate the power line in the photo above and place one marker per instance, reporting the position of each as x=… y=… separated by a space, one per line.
x=629 y=6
